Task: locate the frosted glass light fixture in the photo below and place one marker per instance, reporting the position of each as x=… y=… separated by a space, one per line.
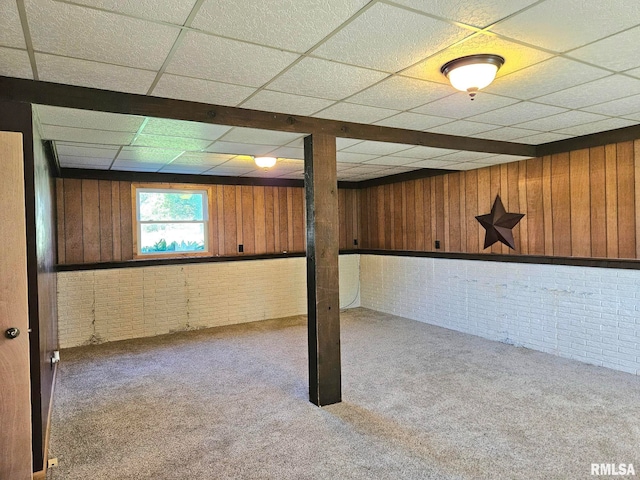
x=472 y=73
x=265 y=162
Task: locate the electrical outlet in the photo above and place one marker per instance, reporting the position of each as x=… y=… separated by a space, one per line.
x=437 y=244
x=52 y=462
x=240 y=248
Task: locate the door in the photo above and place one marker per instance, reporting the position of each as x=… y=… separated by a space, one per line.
x=15 y=395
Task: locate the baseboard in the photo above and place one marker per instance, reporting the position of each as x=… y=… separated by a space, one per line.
x=42 y=474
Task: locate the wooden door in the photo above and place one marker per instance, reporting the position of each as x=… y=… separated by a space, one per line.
x=15 y=397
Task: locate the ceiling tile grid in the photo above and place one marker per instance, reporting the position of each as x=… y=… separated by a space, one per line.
x=571 y=69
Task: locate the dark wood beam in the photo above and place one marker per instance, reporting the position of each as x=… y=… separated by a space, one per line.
x=587 y=141
x=323 y=298
x=31 y=91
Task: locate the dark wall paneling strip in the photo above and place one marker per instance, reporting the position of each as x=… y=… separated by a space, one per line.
x=561 y=206
x=91 y=220
x=598 y=210
x=577 y=204
x=579 y=172
x=106 y=229
x=547 y=205
x=626 y=201
x=611 y=189
x=95 y=224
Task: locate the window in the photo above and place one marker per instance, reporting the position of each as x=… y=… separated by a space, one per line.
x=171 y=221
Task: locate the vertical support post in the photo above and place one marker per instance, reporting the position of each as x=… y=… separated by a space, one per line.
x=323 y=298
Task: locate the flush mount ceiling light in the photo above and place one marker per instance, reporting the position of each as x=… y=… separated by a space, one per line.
x=265 y=162
x=472 y=73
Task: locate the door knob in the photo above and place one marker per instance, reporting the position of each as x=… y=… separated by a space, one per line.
x=12 y=333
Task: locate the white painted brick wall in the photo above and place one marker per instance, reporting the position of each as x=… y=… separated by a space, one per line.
x=587 y=314
x=115 y=304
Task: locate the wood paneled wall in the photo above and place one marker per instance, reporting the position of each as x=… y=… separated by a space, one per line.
x=584 y=203
x=95 y=225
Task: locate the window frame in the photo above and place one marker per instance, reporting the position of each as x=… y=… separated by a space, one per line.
x=171 y=188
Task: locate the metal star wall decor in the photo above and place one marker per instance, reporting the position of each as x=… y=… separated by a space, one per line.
x=498 y=225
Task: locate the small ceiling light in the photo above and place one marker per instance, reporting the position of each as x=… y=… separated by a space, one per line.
x=472 y=73
x=265 y=162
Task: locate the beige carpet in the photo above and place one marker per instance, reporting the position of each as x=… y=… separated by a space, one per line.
x=419 y=402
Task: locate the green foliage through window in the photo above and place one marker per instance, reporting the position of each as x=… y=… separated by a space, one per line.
x=171 y=220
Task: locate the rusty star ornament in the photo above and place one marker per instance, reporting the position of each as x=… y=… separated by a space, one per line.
x=498 y=225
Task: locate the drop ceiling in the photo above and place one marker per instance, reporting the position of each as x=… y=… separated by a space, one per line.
x=571 y=69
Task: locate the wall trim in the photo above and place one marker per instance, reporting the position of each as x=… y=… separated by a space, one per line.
x=181 y=261
x=628 y=264
x=155 y=177
x=57 y=94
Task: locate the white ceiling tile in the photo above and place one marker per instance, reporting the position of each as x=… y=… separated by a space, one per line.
x=11 y=34
x=459 y=105
x=367 y=169
x=634 y=72
x=241 y=148
x=478 y=14
x=562 y=120
x=85 y=135
x=15 y=63
x=270 y=173
x=73 y=31
x=127 y=166
x=401 y=93
x=86 y=151
x=413 y=121
x=283 y=24
x=230 y=171
x=171 y=11
x=598 y=91
x=464 y=156
x=71 y=117
x=201 y=158
x=435 y=163
x=633 y=116
x=181 y=128
x=463 y=128
x=84 y=162
x=288 y=152
x=72 y=71
x=198 y=90
x=342 y=143
x=516 y=57
x=223 y=60
x=378 y=148
x=297 y=143
x=618 y=52
x=517 y=113
x=184 y=169
x=286 y=103
x=315 y=77
x=391 y=161
x=505 y=134
x=421 y=152
x=259 y=136
x=350 y=112
x=540 y=138
x=545 y=77
x=562 y=25
x=617 y=108
x=173 y=143
x=389 y=38
x=354 y=157
x=595 y=127
x=147 y=155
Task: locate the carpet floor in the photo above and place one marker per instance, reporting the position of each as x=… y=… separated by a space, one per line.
x=419 y=402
